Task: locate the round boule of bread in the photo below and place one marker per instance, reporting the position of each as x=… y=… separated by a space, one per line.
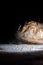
x=31 y=32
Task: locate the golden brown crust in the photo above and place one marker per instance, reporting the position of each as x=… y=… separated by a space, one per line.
x=31 y=32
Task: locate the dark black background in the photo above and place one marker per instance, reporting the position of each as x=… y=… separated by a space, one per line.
x=28 y=14
x=9 y=24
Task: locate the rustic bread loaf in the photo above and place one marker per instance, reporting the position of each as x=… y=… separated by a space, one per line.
x=31 y=32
